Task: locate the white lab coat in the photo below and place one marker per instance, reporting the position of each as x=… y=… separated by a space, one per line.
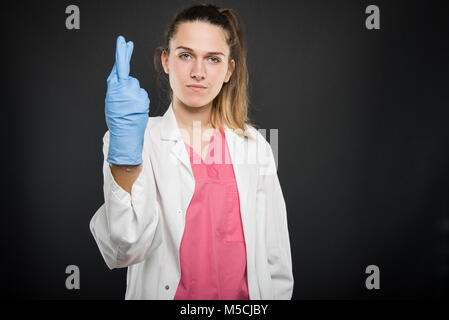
x=143 y=231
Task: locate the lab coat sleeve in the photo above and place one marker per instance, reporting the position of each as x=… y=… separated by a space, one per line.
x=126 y=226
x=271 y=201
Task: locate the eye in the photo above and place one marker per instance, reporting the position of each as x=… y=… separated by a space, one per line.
x=184 y=54
x=217 y=60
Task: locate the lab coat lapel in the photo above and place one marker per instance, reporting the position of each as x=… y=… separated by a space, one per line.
x=180 y=152
x=237 y=152
x=170 y=131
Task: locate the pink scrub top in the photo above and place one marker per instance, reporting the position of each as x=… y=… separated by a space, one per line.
x=213 y=251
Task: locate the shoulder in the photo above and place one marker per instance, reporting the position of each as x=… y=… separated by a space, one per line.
x=153 y=125
x=264 y=152
x=259 y=150
x=256 y=136
x=154 y=120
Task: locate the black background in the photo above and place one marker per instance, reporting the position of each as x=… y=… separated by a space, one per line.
x=363 y=139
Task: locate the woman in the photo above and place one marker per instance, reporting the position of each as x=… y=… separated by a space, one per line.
x=193 y=205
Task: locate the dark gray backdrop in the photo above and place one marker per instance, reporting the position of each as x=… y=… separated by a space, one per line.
x=363 y=139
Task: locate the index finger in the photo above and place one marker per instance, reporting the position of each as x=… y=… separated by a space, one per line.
x=122 y=57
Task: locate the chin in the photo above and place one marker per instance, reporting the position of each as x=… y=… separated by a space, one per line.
x=196 y=103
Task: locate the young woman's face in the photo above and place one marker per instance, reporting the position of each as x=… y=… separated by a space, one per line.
x=198 y=56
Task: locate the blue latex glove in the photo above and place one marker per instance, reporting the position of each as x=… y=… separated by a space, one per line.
x=127 y=107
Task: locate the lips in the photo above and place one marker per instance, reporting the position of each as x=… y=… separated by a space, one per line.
x=196 y=88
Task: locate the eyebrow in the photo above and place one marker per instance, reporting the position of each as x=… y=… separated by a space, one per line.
x=191 y=50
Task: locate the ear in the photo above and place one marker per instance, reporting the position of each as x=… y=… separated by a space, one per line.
x=230 y=71
x=164 y=60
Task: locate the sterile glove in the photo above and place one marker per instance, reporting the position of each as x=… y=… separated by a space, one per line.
x=126 y=110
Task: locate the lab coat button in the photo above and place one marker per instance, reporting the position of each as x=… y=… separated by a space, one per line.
x=179 y=211
x=167 y=287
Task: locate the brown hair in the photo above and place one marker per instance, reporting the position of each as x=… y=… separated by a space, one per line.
x=231 y=104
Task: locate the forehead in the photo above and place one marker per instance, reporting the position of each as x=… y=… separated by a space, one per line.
x=201 y=37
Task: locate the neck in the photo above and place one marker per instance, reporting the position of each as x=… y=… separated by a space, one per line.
x=186 y=115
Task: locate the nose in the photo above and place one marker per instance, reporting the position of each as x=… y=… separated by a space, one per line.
x=198 y=71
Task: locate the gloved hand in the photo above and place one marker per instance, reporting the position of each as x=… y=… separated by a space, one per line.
x=127 y=107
